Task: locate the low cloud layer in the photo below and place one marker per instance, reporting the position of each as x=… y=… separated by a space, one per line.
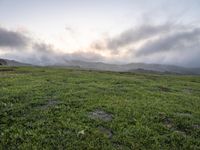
x=16 y=45
x=166 y=43
x=135 y=35
x=177 y=41
x=131 y=36
x=162 y=44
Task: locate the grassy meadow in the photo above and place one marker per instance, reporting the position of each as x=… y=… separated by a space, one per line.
x=58 y=108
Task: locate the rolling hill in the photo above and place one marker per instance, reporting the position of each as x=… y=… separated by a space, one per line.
x=131 y=67
x=7 y=62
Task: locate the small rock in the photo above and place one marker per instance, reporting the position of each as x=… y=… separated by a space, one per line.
x=119 y=146
x=187 y=115
x=164 y=89
x=48 y=104
x=168 y=122
x=82 y=132
x=187 y=91
x=106 y=131
x=196 y=126
x=100 y=114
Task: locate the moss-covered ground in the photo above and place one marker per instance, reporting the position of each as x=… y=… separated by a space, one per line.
x=51 y=108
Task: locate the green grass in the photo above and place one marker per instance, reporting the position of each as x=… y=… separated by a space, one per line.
x=48 y=108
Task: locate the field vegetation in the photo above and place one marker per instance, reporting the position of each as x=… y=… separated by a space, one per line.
x=59 y=108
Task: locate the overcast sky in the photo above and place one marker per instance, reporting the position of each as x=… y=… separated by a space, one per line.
x=113 y=31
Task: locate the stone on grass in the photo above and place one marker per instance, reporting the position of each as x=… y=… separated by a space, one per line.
x=101 y=115
x=50 y=103
x=185 y=115
x=106 y=131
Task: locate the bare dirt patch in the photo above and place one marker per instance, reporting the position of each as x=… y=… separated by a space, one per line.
x=168 y=122
x=196 y=126
x=101 y=115
x=106 y=131
x=187 y=91
x=50 y=103
x=183 y=134
x=163 y=89
x=185 y=115
x=119 y=146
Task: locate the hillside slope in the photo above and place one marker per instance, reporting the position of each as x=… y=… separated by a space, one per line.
x=132 y=67
x=56 y=108
x=7 y=62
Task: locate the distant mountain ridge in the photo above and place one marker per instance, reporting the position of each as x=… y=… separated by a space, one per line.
x=131 y=67
x=7 y=62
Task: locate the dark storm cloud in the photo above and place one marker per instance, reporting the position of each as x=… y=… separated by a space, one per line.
x=12 y=39
x=178 y=41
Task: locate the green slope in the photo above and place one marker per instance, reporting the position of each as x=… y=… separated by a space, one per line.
x=52 y=108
